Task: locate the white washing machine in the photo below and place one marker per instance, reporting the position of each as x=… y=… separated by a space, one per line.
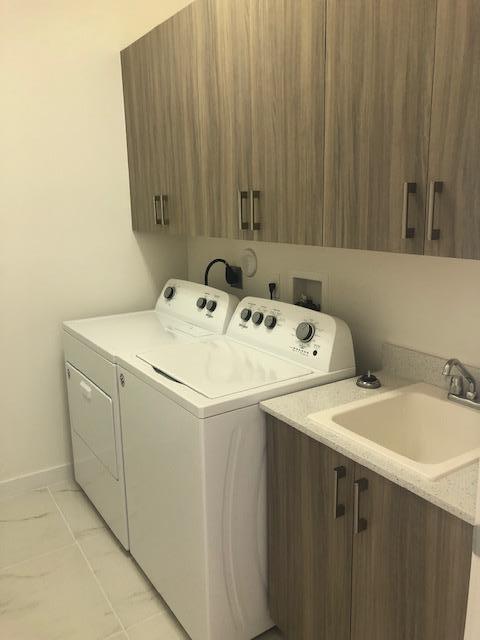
x=184 y=312
x=195 y=456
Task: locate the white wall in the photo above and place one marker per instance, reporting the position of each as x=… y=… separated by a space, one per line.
x=428 y=304
x=66 y=247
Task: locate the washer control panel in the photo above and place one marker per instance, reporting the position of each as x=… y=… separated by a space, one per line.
x=198 y=304
x=316 y=339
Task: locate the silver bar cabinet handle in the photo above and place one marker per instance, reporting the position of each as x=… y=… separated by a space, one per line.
x=254 y=225
x=338 y=509
x=407 y=232
x=156 y=219
x=163 y=200
x=435 y=187
x=359 y=524
x=242 y=195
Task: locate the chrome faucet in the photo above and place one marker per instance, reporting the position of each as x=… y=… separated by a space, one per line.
x=457 y=391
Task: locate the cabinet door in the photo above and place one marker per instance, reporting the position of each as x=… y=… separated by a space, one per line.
x=454 y=213
x=140 y=110
x=287 y=102
x=220 y=55
x=411 y=566
x=173 y=106
x=160 y=105
x=309 y=544
x=378 y=97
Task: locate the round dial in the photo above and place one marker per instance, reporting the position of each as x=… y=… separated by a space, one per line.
x=257 y=317
x=211 y=305
x=305 y=331
x=169 y=293
x=270 y=322
x=201 y=302
x=246 y=314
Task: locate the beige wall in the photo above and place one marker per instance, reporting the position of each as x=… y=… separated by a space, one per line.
x=66 y=248
x=429 y=304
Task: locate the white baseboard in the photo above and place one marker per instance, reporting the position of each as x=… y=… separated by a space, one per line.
x=36 y=480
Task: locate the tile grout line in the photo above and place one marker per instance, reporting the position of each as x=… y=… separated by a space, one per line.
x=115 y=634
x=100 y=586
x=137 y=624
x=37 y=557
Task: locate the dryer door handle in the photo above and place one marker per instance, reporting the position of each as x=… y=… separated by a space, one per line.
x=86 y=390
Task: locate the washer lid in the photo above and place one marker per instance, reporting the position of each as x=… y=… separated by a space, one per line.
x=221 y=367
x=133 y=331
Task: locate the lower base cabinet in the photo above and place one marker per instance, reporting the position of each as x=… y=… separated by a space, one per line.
x=353 y=556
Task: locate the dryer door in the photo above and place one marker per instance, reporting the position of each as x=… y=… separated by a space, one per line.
x=91 y=417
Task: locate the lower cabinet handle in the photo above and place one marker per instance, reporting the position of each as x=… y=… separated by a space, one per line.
x=242 y=195
x=338 y=509
x=156 y=219
x=435 y=187
x=359 y=524
x=163 y=201
x=407 y=232
x=254 y=225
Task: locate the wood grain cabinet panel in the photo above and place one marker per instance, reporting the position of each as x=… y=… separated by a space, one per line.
x=176 y=97
x=377 y=119
x=411 y=567
x=140 y=109
x=260 y=70
x=401 y=574
x=220 y=40
x=227 y=97
x=159 y=95
x=309 y=549
x=454 y=144
x=287 y=103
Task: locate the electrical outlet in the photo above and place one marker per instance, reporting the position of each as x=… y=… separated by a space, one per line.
x=275 y=277
x=236 y=280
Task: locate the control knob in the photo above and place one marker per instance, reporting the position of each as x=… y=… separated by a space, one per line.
x=305 y=331
x=257 y=317
x=270 y=322
x=211 y=305
x=201 y=302
x=169 y=293
x=246 y=314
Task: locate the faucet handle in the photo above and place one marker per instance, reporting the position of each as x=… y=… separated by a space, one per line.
x=471 y=394
x=456 y=386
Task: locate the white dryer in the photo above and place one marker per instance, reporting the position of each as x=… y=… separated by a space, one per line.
x=195 y=457
x=184 y=312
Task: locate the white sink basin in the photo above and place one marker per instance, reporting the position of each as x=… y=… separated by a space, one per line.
x=416 y=426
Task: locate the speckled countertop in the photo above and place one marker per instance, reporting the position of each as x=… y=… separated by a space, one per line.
x=456 y=492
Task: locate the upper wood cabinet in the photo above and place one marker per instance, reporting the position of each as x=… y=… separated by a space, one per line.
x=287 y=40
x=224 y=110
x=348 y=123
x=378 y=96
x=260 y=117
x=454 y=212
x=140 y=113
x=353 y=556
x=219 y=51
x=158 y=81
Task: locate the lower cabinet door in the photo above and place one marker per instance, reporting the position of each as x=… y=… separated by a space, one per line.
x=411 y=565
x=309 y=535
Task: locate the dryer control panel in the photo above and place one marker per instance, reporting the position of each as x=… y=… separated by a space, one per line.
x=315 y=339
x=199 y=304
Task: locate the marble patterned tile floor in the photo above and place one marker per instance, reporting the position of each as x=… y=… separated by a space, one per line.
x=63 y=575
